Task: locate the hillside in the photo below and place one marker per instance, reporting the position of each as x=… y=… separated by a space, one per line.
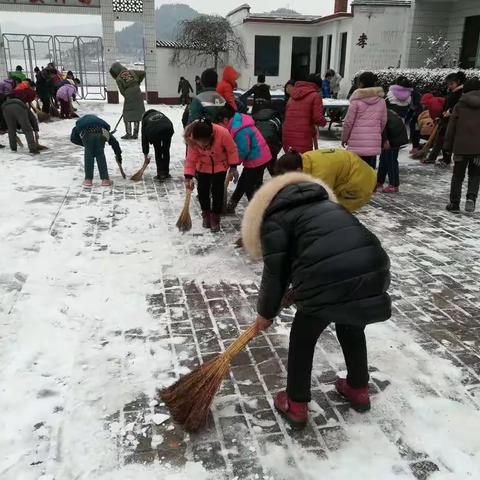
x=130 y=39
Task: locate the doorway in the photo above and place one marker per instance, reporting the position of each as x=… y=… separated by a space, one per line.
x=470 y=54
x=301 y=49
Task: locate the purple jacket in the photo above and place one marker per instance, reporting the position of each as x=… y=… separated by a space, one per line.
x=66 y=92
x=366 y=118
x=253 y=150
x=6 y=86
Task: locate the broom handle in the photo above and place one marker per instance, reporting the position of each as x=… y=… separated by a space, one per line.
x=188 y=196
x=239 y=344
x=118 y=123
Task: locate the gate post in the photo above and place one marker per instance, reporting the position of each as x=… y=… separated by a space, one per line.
x=3 y=63
x=109 y=47
x=150 y=53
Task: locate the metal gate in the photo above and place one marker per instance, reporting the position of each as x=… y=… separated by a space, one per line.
x=82 y=55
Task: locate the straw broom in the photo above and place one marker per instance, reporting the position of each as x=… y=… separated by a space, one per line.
x=426 y=148
x=184 y=222
x=228 y=179
x=190 y=398
x=136 y=177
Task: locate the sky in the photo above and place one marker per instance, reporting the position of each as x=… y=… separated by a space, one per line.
x=89 y=25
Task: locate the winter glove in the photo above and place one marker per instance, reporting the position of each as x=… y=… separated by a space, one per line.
x=119 y=159
x=233 y=173
x=189 y=183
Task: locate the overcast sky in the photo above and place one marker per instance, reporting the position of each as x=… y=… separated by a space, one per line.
x=88 y=25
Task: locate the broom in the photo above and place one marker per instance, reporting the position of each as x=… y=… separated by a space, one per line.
x=228 y=179
x=136 y=177
x=190 y=398
x=184 y=222
x=426 y=148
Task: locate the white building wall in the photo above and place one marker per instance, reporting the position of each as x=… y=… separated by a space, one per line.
x=385 y=27
x=459 y=12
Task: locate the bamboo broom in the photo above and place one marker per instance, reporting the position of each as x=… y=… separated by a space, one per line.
x=190 y=398
x=136 y=177
x=426 y=148
x=228 y=179
x=184 y=222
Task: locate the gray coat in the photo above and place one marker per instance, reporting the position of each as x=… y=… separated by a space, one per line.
x=17 y=114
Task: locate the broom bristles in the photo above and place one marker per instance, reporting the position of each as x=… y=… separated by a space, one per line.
x=228 y=179
x=184 y=222
x=136 y=177
x=189 y=399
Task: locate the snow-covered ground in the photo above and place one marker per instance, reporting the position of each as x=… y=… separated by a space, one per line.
x=81 y=337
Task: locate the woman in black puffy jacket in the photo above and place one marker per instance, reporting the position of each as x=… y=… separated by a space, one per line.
x=338 y=271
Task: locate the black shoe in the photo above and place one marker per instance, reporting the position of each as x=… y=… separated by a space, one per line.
x=453 y=207
x=134 y=136
x=127 y=136
x=2 y=146
x=470 y=206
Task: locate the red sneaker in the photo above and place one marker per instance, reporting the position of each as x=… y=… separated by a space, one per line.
x=206 y=219
x=358 y=397
x=378 y=187
x=390 y=189
x=87 y=182
x=295 y=413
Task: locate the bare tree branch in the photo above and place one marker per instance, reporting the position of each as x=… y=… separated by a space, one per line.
x=204 y=39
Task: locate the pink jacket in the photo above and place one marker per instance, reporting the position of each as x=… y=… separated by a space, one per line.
x=66 y=92
x=366 y=118
x=216 y=158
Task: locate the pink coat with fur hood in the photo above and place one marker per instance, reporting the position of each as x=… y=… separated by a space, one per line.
x=365 y=121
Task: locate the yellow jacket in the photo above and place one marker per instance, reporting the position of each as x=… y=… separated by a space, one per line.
x=350 y=177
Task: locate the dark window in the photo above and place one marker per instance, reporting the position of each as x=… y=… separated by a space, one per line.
x=267 y=55
x=470 y=56
x=318 y=66
x=301 y=50
x=329 y=51
x=343 y=53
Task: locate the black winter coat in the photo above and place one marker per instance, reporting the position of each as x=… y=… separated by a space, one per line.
x=270 y=127
x=395 y=130
x=155 y=125
x=337 y=267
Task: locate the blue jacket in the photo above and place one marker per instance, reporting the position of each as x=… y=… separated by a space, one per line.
x=326 y=88
x=92 y=121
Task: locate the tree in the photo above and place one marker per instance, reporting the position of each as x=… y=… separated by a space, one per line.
x=439 y=52
x=210 y=35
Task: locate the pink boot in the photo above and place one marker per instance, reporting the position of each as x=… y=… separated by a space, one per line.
x=358 y=397
x=295 y=413
x=87 y=182
x=107 y=183
x=390 y=189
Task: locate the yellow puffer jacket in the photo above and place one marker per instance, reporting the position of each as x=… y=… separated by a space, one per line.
x=350 y=177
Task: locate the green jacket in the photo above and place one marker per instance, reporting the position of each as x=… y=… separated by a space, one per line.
x=126 y=78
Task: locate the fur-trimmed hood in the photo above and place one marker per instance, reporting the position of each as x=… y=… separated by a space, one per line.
x=363 y=93
x=253 y=218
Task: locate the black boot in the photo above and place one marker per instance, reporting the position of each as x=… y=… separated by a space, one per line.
x=128 y=130
x=136 y=128
x=206 y=219
x=453 y=207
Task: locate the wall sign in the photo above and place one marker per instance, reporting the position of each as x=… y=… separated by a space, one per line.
x=62 y=3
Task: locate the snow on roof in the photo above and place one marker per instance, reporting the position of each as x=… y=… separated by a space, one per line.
x=291 y=18
x=383 y=3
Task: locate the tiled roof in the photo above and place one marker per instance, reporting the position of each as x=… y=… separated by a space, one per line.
x=170 y=44
x=383 y=3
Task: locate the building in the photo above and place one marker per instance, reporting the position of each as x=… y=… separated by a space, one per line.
x=375 y=34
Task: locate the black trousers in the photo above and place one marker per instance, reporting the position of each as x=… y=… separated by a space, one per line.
x=303 y=339
x=438 y=144
x=249 y=182
x=461 y=164
x=210 y=191
x=161 y=145
x=371 y=160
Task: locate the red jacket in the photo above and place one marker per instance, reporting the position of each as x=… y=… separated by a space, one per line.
x=303 y=112
x=227 y=84
x=434 y=104
x=26 y=95
x=221 y=154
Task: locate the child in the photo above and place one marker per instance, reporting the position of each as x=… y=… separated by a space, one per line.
x=15 y=111
x=211 y=153
x=463 y=139
x=394 y=136
x=339 y=273
x=157 y=129
x=399 y=96
x=304 y=111
x=270 y=126
x=253 y=152
x=365 y=120
x=261 y=94
x=455 y=83
x=326 y=93
x=350 y=178
x=208 y=102
x=226 y=86
x=91 y=132
x=128 y=82
x=65 y=96
x=335 y=81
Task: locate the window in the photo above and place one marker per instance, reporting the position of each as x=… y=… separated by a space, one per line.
x=267 y=55
x=470 y=53
x=343 y=53
x=318 y=65
x=329 y=51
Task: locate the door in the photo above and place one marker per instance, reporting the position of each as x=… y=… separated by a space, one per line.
x=301 y=49
x=470 y=54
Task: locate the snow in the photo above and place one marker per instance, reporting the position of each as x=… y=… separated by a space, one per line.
x=67 y=285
